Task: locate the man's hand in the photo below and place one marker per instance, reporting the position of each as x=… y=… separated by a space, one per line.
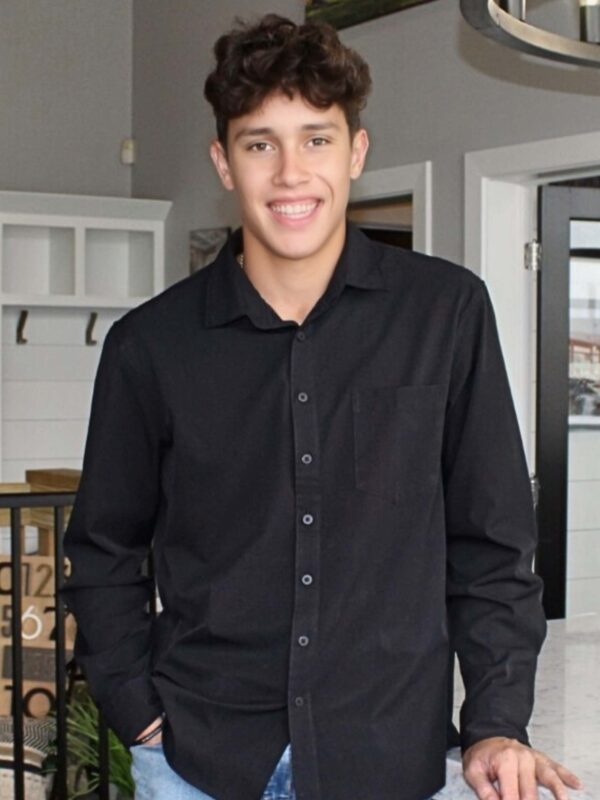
x=517 y=769
x=155 y=739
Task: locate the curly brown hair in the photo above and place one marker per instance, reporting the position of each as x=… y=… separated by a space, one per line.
x=276 y=54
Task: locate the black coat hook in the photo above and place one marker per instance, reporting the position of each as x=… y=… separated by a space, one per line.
x=21 y=327
x=89 y=339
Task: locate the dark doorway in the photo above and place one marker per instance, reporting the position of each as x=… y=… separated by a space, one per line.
x=388 y=221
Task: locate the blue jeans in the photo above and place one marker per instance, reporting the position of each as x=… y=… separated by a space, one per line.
x=155 y=780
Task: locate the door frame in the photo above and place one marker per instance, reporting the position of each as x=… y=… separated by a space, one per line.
x=501 y=194
x=557 y=207
x=414 y=179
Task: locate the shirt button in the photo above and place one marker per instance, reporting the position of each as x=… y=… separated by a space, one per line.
x=306 y=458
x=302 y=397
x=303 y=641
x=301 y=336
x=307 y=580
x=299 y=701
x=308 y=519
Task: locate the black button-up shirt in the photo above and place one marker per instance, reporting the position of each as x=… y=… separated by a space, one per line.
x=332 y=507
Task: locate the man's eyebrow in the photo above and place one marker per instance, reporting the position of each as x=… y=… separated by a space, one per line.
x=252 y=132
x=321 y=126
x=310 y=126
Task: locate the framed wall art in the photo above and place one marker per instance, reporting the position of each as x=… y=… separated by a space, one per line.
x=205 y=244
x=344 y=13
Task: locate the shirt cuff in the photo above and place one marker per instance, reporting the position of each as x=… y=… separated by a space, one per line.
x=132 y=708
x=477 y=734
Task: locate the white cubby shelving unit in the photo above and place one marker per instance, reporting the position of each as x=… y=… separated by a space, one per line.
x=62 y=259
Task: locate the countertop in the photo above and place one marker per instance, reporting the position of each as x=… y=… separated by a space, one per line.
x=566 y=720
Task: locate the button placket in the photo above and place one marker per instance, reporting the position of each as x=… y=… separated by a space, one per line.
x=307 y=490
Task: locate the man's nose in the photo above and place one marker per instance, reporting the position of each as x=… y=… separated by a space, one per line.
x=291 y=168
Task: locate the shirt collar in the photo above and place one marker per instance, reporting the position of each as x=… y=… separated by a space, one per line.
x=231 y=294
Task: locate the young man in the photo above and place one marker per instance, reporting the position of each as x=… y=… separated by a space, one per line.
x=315 y=434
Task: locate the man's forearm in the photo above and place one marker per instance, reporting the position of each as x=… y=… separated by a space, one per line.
x=110 y=533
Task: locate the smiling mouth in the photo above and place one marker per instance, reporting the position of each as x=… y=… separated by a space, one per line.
x=294 y=210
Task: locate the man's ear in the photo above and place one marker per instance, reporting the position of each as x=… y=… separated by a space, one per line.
x=219 y=159
x=360 y=146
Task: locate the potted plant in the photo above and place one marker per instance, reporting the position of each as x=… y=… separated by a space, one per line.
x=83 y=748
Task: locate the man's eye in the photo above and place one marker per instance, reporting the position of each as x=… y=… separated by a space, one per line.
x=319 y=141
x=259 y=147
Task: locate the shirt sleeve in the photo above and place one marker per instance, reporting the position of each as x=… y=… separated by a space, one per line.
x=495 y=616
x=109 y=536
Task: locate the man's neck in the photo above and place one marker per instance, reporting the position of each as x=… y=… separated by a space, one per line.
x=291 y=287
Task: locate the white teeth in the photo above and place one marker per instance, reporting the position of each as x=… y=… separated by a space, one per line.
x=293 y=209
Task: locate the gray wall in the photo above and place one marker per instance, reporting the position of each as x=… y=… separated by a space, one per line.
x=441 y=90
x=172 y=122
x=65 y=95
x=70 y=68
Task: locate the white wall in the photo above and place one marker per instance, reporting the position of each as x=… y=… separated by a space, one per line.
x=583 y=523
x=65 y=95
x=47 y=388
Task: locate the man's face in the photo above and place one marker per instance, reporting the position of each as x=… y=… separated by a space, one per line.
x=291 y=165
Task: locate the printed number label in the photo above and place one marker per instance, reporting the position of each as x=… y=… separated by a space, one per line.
x=37 y=702
x=32 y=622
x=37 y=579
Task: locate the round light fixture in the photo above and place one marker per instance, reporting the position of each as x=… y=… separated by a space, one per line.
x=505 y=21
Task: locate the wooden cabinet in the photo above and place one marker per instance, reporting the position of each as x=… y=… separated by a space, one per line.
x=69 y=267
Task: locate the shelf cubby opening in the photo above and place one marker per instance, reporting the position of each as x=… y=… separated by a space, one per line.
x=38 y=260
x=119 y=263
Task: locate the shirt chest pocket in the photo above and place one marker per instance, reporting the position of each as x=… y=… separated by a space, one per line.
x=397 y=440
